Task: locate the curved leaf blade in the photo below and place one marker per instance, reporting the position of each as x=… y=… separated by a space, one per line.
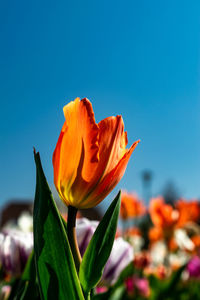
x=28 y=287
x=99 y=248
x=55 y=267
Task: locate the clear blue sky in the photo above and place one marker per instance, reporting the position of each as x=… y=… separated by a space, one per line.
x=139 y=59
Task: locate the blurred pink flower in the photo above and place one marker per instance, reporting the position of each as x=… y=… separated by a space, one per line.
x=137 y=285
x=5 y=292
x=193 y=267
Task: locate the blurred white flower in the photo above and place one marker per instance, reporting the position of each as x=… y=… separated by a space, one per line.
x=178 y=259
x=121 y=255
x=10 y=255
x=15 y=249
x=84 y=232
x=25 y=222
x=137 y=243
x=182 y=240
x=158 y=253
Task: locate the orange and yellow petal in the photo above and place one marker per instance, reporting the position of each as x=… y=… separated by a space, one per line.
x=111 y=179
x=77 y=147
x=112 y=143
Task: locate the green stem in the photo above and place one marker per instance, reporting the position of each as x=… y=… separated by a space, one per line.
x=71 y=233
x=87 y=296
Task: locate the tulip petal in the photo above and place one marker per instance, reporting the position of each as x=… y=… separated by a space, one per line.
x=77 y=145
x=112 y=147
x=56 y=157
x=112 y=142
x=110 y=180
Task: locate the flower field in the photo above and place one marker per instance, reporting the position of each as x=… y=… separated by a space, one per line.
x=155 y=256
x=134 y=252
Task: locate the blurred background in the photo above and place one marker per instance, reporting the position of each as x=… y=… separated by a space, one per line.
x=139 y=59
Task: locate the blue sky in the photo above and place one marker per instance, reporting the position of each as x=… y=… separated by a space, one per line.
x=139 y=59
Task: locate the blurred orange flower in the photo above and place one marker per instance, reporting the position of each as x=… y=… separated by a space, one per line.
x=172 y=244
x=155 y=234
x=159 y=271
x=188 y=212
x=131 y=206
x=132 y=231
x=196 y=240
x=89 y=159
x=162 y=214
x=142 y=260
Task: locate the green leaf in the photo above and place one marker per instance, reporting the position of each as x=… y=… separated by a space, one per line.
x=29 y=271
x=28 y=287
x=99 y=248
x=118 y=293
x=175 y=278
x=55 y=267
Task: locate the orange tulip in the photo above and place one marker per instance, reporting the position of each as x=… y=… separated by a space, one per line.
x=89 y=159
x=172 y=244
x=162 y=214
x=132 y=231
x=189 y=212
x=196 y=240
x=131 y=206
x=155 y=234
